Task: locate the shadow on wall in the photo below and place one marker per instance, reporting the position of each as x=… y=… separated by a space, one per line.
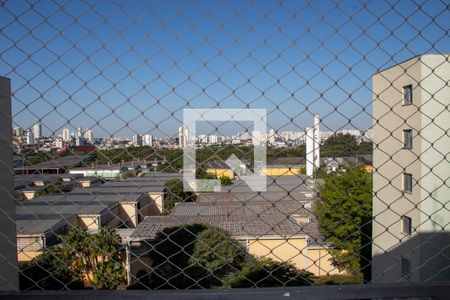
x=423 y=257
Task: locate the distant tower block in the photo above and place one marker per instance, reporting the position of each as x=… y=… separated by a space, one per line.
x=309 y=151
x=316 y=142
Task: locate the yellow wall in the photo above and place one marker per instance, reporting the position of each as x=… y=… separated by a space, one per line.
x=275 y=171
x=90 y=183
x=220 y=172
x=280 y=250
x=318 y=262
x=88 y=222
x=27 y=255
x=295 y=250
x=128 y=214
x=30 y=195
x=158 y=200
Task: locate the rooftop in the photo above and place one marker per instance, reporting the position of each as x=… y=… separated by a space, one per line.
x=254 y=219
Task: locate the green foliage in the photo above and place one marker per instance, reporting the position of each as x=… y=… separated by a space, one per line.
x=55 y=188
x=108 y=275
x=174 y=192
x=200 y=173
x=94 y=257
x=217 y=251
x=344 y=210
x=273 y=153
x=200 y=256
x=342 y=145
x=81 y=257
x=268 y=273
x=48 y=271
x=339 y=279
x=225 y=180
x=171 y=268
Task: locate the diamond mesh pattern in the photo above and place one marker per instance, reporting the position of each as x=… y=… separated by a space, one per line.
x=104 y=207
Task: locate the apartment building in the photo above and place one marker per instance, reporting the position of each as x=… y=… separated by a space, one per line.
x=411 y=192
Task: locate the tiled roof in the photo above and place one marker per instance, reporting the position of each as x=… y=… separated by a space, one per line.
x=252 y=219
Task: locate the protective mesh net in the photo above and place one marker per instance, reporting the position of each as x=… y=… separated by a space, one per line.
x=356 y=97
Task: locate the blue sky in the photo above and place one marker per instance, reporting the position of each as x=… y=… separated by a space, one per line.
x=128 y=67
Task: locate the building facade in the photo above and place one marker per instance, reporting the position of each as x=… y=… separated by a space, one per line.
x=411 y=229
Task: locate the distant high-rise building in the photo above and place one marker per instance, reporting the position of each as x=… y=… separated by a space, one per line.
x=80 y=132
x=80 y=141
x=59 y=142
x=271 y=137
x=182 y=136
x=37 y=131
x=213 y=139
x=202 y=139
x=89 y=135
x=147 y=140
x=18 y=131
x=66 y=135
x=30 y=137
x=137 y=140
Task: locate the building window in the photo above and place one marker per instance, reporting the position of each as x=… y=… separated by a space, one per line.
x=407 y=139
x=406 y=225
x=406 y=269
x=407 y=95
x=407 y=182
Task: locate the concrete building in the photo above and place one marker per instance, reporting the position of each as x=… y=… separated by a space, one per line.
x=182 y=136
x=18 y=131
x=89 y=135
x=30 y=137
x=136 y=140
x=213 y=139
x=59 y=142
x=147 y=140
x=271 y=137
x=411 y=229
x=37 y=131
x=66 y=135
x=316 y=134
x=80 y=132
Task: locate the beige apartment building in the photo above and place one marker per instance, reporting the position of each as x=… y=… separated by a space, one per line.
x=411 y=188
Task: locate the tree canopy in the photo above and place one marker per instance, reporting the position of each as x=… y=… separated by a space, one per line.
x=82 y=259
x=268 y=273
x=174 y=192
x=344 y=211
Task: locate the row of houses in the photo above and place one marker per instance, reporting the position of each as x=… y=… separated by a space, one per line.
x=278 y=224
x=118 y=204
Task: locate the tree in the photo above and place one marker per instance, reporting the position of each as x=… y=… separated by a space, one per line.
x=94 y=258
x=344 y=211
x=48 y=271
x=225 y=180
x=268 y=273
x=217 y=251
x=174 y=192
x=171 y=252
